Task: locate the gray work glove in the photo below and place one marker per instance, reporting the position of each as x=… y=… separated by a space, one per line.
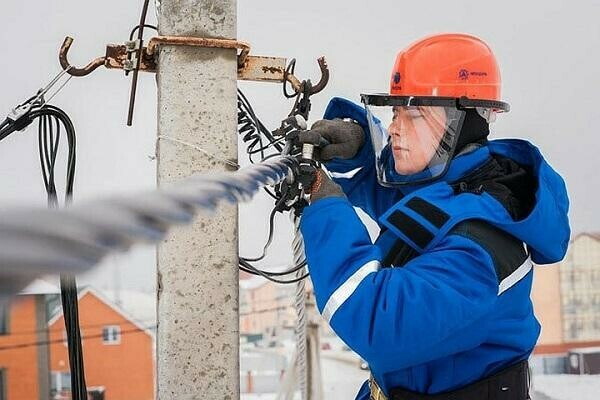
x=345 y=138
x=323 y=187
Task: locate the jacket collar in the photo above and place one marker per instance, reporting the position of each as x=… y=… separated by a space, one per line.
x=460 y=166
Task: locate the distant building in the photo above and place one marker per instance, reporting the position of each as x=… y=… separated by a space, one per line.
x=265 y=307
x=24 y=357
x=118 y=351
x=546 y=297
x=580 y=287
x=566 y=298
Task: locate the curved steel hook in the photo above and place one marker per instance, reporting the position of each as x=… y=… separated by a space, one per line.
x=298 y=86
x=64 y=62
x=324 y=76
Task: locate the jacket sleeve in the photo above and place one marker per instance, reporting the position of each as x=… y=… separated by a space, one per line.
x=396 y=317
x=357 y=176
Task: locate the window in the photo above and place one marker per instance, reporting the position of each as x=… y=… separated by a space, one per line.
x=111 y=334
x=4 y=311
x=2 y=384
x=60 y=384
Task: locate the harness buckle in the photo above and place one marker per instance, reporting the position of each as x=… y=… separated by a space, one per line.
x=376 y=392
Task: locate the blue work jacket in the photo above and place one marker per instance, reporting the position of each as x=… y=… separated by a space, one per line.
x=458 y=309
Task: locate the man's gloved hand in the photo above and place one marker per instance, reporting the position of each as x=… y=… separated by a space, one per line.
x=345 y=138
x=323 y=187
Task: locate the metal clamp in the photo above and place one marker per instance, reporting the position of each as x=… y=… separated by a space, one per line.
x=132 y=56
x=132 y=48
x=201 y=42
x=254 y=68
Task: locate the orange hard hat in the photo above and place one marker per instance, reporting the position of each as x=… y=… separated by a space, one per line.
x=449 y=65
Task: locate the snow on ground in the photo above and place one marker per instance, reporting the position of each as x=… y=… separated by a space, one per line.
x=567 y=387
x=258 y=396
x=342 y=378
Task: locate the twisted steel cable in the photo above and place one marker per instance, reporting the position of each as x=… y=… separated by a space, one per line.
x=37 y=241
x=300 y=305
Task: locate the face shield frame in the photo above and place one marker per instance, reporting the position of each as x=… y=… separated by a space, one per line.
x=388 y=176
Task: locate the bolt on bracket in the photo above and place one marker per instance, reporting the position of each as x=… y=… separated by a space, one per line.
x=250 y=68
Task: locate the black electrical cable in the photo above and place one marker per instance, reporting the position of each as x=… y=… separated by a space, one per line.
x=283 y=273
x=269 y=240
x=134 y=30
x=4 y=123
x=259 y=140
x=48 y=152
x=247 y=267
x=51 y=121
x=253 y=131
x=289 y=70
x=278 y=204
x=245 y=263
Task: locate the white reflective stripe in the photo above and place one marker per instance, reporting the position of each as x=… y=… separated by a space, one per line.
x=516 y=276
x=344 y=175
x=342 y=293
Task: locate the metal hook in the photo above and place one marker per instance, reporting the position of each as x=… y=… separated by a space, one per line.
x=88 y=69
x=299 y=86
x=324 y=76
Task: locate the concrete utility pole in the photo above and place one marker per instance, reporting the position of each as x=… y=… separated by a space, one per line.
x=198 y=326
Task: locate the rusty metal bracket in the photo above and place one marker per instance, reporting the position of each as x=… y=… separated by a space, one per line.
x=252 y=68
x=201 y=42
x=130 y=57
x=117 y=57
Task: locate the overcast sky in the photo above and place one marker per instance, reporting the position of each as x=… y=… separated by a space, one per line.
x=547 y=50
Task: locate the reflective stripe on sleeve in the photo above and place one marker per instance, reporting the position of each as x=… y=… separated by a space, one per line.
x=516 y=276
x=345 y=175
x=346 y=290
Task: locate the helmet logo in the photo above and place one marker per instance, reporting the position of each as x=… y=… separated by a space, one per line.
x=397 y=78
x=464 y=74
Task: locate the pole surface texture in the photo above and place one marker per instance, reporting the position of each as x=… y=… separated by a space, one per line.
x=198 y=325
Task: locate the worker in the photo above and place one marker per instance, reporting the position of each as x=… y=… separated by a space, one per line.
x=439 y=305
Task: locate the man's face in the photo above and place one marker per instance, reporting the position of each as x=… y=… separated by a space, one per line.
x=415 y=135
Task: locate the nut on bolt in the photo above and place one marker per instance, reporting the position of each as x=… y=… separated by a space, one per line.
x=131 y=45
x=128 y=65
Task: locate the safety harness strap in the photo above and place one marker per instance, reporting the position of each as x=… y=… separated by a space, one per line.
x=511 y=383
x=417 y=223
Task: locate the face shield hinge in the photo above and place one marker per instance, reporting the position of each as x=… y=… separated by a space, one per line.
x=487 y=113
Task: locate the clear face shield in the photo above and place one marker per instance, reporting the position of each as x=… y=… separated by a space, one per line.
x=414 y=138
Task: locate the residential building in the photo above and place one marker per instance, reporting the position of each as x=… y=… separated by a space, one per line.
x=24 y=358
x=566 y=299
x=580 y=287
x=118 y=351
x=546 y=297
x=266 y=307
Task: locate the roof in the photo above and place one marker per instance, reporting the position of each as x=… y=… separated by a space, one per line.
x=585 y=350
x=140 y=305
x=252 y=283
x=40 y=286
x=593 y=235
x=144 y=325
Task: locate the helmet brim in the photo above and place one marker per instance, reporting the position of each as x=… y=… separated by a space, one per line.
x=384 y=99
